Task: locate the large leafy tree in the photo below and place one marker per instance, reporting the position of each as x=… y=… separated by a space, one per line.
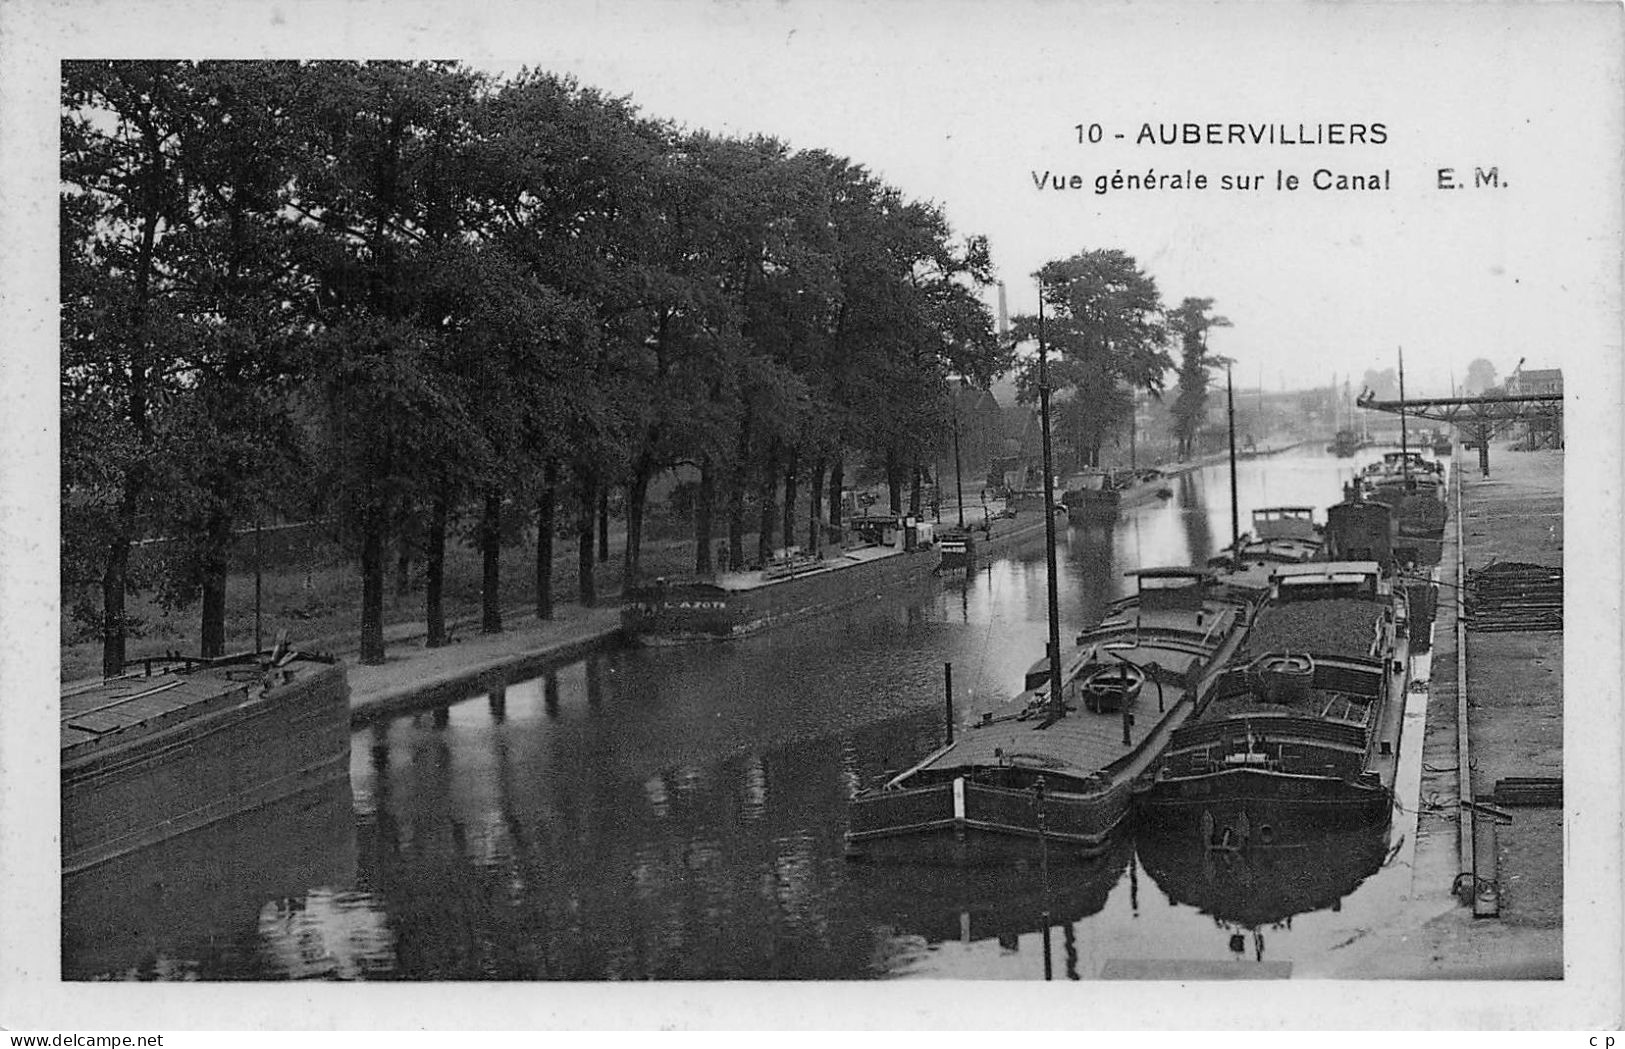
x=121 y=200
x=1104 y=323
x=366 y=205
x=1190 y=322
x=235 y=451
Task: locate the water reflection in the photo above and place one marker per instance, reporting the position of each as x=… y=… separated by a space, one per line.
x=1257 y=890
x=939 y=904
x=678 y=814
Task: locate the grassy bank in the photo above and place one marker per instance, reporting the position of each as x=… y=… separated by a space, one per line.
x=316 y=598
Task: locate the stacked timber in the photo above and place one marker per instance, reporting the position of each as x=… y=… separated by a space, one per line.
x=1529 y=791
x=1512 y=595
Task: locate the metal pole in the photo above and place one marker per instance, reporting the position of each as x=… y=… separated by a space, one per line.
x=1235 y=508
x=258 y=647
x=959 y=474
x=1043 y=867
x=1049 y=519
x=1404 y=442
x=948 y=697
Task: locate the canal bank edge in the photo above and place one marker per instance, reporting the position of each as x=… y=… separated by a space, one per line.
x=417 y=678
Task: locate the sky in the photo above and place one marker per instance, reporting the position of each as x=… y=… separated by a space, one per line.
x=967 y=103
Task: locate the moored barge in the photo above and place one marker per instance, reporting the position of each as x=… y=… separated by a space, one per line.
x=149 y=757
x=735 y=604
x=1100 y=495
x=1302 y=734
x=988 y=532
x=1051 y=775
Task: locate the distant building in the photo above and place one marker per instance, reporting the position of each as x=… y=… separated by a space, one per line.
x=1542 y=428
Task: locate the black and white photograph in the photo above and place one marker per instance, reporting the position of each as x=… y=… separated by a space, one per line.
x=769 y=500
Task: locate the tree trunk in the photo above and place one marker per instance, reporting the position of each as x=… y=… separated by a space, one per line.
x=603 y=524
x=372 y=590
x=115 y=577
x=637 y=492
x=545 y=507
x=914 y=504
x=836 y=482
x=434 y=571
x=113 y=585
x=216 y=566
x=736 y=495
x=586 y=586
x=815 y=508
x=403 y=571
x=704 y=508
x=894 y=480
x=789 y=530
x=770 y=484
x=491 y=559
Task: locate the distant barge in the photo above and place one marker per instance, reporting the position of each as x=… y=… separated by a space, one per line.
x=997 y=532
x=149 y=757
x=739 y=604
x=1101 y=495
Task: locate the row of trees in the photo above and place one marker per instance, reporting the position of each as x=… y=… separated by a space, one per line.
x=432 y=304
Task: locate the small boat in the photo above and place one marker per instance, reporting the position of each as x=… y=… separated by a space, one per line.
x=1345 y=444
x=150 y=756
x=1302 y=734
x=1053 y=772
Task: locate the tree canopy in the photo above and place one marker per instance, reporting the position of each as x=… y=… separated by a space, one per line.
x=407 y=298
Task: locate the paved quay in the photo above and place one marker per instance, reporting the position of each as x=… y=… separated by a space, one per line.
x=417 y=678
x=1513 y=701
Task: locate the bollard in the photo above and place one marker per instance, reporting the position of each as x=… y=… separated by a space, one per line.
x=948 y=697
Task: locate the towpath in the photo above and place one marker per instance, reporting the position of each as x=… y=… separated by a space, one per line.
x=415 y=678
x=1513 y=702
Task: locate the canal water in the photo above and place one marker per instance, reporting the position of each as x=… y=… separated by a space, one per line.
x=678 y=814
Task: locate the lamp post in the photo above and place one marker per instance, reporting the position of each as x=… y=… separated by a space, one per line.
x=1235 y=507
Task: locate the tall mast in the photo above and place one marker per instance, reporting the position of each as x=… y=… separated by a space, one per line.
x=1235 y=509
x=1049 y=519
x=1404 y=443
x=959 y=477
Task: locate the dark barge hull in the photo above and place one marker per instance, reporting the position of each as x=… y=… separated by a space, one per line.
x=973 y=546
x=1241 y=807
x=145 y=760
x=1104 y=504
x=209 y=884
x=687 y=613
x=962 y=823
